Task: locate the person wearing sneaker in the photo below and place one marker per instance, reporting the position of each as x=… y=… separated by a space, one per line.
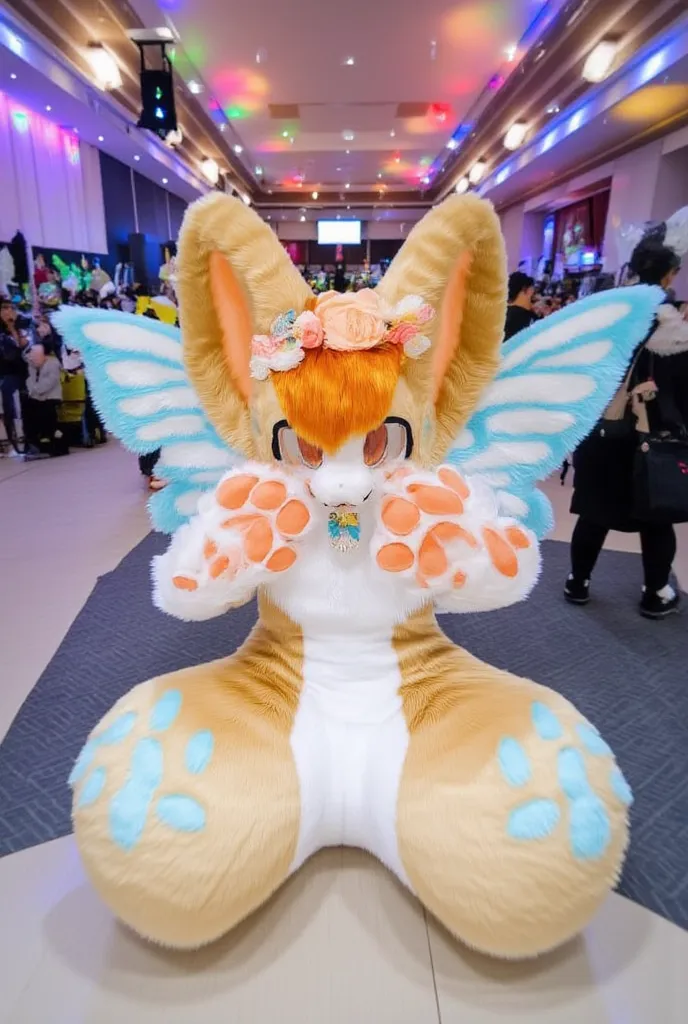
x=604 y=497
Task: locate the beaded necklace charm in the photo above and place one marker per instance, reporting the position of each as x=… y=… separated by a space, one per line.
x=344 y=528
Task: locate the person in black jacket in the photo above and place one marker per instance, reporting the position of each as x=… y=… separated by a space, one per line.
x=603 y=495
x=519 y=311
x=13 y=369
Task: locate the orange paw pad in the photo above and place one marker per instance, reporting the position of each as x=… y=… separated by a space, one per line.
x=209 y=550
x=282 y=559
x=450 y=478
x=502 y=555
x=233 y=493
x=269 y=495
x=432 y=560
x=395 y=558
x=258 y=540
x=184 y=583
x=459 y=579
x=436 y=501
x=293 y=518
x=219 y=566
x=448 y=532
x=517 y=538
x=400 y=516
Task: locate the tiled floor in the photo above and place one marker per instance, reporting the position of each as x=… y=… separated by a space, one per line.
x=342 y=943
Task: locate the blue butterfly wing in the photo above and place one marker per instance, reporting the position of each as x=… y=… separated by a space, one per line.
x=139 y=386
x=555 y=380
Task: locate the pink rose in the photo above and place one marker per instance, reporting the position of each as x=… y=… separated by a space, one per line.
x=309 y=329
x=352 y=322
x=402 y=332
x=265 y=345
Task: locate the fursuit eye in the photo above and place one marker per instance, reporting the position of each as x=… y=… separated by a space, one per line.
x=387 y=443
x=291 y=448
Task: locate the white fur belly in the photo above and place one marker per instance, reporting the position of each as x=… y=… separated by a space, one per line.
x=349 y=743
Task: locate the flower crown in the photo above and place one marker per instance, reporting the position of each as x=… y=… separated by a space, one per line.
x=352 y=322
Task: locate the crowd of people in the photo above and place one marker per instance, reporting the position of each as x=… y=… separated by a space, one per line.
x=45 y=399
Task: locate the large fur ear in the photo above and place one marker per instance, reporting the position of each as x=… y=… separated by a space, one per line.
x=233 y=278
x=454 y=259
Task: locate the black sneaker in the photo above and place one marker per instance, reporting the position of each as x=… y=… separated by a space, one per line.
x=577 y=591
x=659 y=606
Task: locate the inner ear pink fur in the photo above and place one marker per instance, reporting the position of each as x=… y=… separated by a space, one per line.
x=232 y=311
x=451 y=315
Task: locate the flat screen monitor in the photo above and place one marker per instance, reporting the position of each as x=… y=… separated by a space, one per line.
x=339 y=232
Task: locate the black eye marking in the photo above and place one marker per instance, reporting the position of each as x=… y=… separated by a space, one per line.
x=275 y=439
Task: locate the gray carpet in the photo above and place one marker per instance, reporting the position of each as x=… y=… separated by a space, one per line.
x=629 y=676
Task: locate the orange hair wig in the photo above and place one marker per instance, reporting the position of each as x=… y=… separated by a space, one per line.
x=332 y=396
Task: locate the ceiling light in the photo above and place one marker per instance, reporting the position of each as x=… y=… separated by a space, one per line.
x=476 y=172
x=337 y=168
x=302 y=219
x=194 y=87
x=164 y=181
x=175 y=138
x=314 y=195
x=104 y=67
x=452 y=144
x=339 y=216
x=511 y=51
x=223 y=127
x=462 y=185
x=14 y=42
x=259 y=170
x=13 y=76
x=599 y=61
x=553 y=108
x=210 y=170
x=75 y=130
x=348 y=151
x=268 y=216
x=380 y=174
x=101 y=138
x=516 y=134
x=136 y=157
x=350 y=61
x=246 y=198
x=392 y=134
x=238 y=149
x=348 y=207
x=348 y=185
x=348 y=135
x=397 y=159
x=261 y=56
x=48 y=107
x=425 y=180
x=285 y=134
x=433 y=49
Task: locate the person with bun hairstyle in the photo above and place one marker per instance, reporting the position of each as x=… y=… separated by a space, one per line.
x=603 y=495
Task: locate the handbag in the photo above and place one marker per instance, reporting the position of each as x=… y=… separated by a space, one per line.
x=660 y=472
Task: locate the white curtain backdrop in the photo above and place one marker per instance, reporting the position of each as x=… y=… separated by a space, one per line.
x=50 y=186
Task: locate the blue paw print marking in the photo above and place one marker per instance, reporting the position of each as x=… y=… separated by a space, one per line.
x=589 y=826
x=130 y=806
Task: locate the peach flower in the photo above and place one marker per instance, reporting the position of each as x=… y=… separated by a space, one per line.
x=353 y=321
x=265 y=345
x=401 y=333
x=309 y=330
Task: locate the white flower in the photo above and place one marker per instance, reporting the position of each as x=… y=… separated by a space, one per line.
x=417 y=345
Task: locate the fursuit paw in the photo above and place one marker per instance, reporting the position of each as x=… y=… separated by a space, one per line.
x=441 y=532
x=244 y=533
